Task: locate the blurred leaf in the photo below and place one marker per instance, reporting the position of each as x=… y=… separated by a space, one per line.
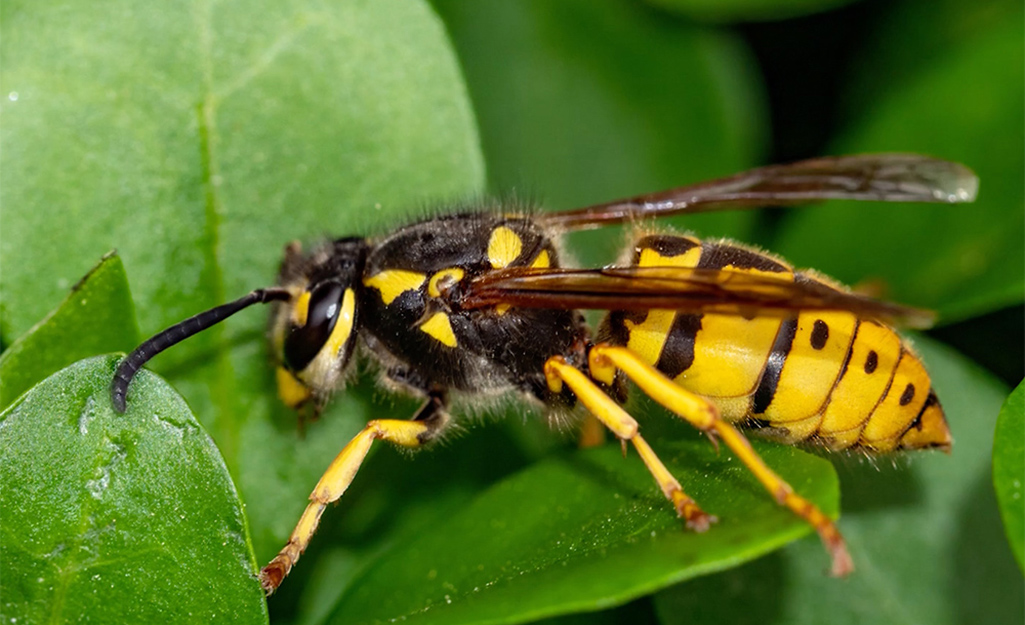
x=581 y=102
x=924 y=533
x=908 y=38
x=746 y=10
x=965 y=105
x=96 y=317
x=1009 y=470
x=118 y=518
x=582 y=531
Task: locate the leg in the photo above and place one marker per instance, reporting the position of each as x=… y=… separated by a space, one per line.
x=426 y=425
x=558 y=371
x=605 y=359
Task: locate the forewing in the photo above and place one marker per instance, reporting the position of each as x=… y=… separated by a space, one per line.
x=699 y=290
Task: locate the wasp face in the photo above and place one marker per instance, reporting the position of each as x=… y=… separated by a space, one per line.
x=314 y=331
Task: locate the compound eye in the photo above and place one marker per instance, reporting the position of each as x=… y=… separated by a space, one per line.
x=304 y=342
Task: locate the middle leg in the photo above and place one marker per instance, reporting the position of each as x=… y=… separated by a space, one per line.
x=612 y=416
x=605 y=359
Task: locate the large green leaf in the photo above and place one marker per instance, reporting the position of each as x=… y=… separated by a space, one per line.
x=96 y=317
x=582 y=531
x=1009 y=470
x=924 y=533
x=117 y=518
x=581 y=102
x=198 y=138
x=962 y=102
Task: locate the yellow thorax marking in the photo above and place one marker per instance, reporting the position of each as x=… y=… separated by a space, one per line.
x=439 y=328
x=454 y=273
x=394 y=282
x=542 y=261
x=504 y=247
x=301 y=309
x=343 y=327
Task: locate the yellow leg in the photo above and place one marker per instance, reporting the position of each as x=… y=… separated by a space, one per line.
x=605 y=359
x=336 y=480
x=612 y=416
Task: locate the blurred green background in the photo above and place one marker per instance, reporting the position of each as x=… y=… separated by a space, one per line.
x=198 y=138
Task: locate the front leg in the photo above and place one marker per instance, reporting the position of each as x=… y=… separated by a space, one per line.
x=426 y=425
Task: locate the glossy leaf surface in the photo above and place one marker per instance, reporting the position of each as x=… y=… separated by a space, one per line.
x=582 y=531
x=118 y=518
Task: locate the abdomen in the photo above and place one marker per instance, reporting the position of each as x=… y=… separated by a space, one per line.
x=826 y=376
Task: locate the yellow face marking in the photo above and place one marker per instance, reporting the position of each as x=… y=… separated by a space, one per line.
x=504 y=247
x=811 y=366
x=873 y=358
x=301 y=309
x=439 y=328
x=501 y=309
x=343 y=327
x=394 y=282
x=291 y=391
x=903 y=402
x=455 y=274
x=542 y=261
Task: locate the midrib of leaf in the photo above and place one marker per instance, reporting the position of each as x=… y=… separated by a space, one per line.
x=222 y=382
x=70 y=571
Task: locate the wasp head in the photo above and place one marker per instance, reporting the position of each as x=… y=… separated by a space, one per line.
x=314 y=331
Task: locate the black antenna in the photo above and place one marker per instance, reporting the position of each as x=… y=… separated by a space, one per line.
x=179 y=332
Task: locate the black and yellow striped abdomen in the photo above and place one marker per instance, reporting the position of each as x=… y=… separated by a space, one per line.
x=826 y=376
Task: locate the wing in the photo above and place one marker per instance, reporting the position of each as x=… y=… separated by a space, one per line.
x=699 y=290
x=875 y=177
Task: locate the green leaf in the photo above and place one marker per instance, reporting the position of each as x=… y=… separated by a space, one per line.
x=118 y=518
x=924 y=533
x=199 y=138
x=582 y=531
x=96 y=317
x=1009 y=470
x=582 y=102
x=964 y=104
x=746 y=10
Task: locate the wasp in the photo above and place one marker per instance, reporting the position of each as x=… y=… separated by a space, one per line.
x=477 y=303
